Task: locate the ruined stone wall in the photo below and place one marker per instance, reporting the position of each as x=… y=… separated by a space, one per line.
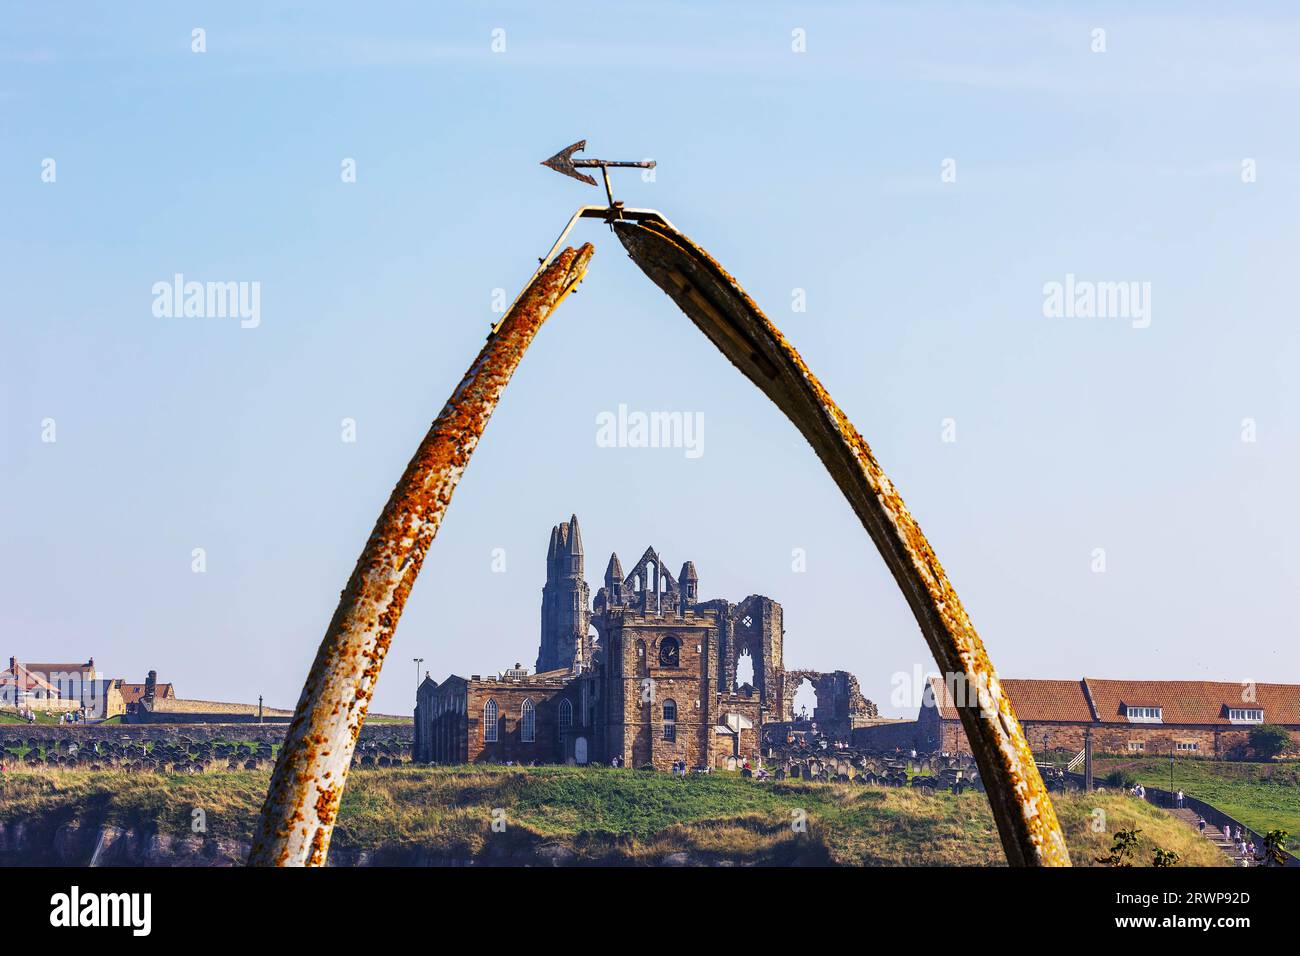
x=840 y=704
x=754 y=628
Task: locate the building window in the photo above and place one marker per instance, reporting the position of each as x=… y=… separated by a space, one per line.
x=1188 y=745
x=566 y=715
x=670 y=720
x=528 y=721
x=1245 y=715
x=670 y=652
x=1137 y=745
x=1151 y=715
x=490 y=715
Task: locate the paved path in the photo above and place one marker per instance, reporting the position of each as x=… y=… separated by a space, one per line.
x=1212 y=833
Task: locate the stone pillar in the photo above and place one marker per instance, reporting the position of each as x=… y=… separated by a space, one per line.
x=1087 y=760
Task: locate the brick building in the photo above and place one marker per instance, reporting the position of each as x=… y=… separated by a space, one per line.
x=69 y=687
x=1188 y=718
x=647 y=674
x=137 y=696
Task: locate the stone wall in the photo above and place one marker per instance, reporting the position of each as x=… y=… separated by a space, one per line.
x=736 y=747
x=179 y=705
x=639 y=738
x=45 y=705
x=48 y=735
x=176 y=710
x=840 y=705
x=1219 y=742
x=754 y=629
x=510 y=745
x=883 y=734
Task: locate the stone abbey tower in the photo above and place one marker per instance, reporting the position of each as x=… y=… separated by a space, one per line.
x=566 y=600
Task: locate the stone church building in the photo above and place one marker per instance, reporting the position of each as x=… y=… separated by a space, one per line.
x=645 y=673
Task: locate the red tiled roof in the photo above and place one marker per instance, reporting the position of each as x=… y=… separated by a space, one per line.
x=133 y=693
x=48 y=671
x=26 y=680
x=1194 y=701
x=1180 y=701
x=1042 y=700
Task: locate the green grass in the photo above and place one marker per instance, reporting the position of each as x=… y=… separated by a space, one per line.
x=1264 y=796
x=602 y=814
x=41 y=718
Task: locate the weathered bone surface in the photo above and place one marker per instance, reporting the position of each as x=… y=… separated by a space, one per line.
x=714 y=301
x=307 y=785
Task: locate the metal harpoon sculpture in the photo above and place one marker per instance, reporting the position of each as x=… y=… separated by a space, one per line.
x=302 y=802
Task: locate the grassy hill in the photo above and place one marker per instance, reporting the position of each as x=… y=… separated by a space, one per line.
x=597 y=815
x=41 y=718
x=1263 y=796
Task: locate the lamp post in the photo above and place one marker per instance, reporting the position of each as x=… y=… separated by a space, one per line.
x=418 y=662
x=1172 y=798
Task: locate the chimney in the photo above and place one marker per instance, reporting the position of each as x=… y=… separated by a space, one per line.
x=150 y=685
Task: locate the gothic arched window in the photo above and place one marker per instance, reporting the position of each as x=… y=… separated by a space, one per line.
x=670 y=720
x=528 y=721
x=490 y=715
x=670 y=652
x=566 y=715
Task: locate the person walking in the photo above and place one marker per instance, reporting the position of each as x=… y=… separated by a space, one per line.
x=1180 y=799
x=1200 y=824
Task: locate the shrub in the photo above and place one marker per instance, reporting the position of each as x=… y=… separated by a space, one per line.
x=1121 y=779
x=1123 y=849
x=1269 y=740
x=1275 y=842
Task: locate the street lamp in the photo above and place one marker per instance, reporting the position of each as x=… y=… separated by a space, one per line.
x=418 y=662
x=1172 y=798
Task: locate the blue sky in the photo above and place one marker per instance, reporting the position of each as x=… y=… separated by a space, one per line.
x=818 y=171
